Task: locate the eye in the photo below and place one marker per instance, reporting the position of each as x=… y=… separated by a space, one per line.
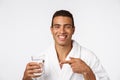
x=56 y=26
x=68 y=26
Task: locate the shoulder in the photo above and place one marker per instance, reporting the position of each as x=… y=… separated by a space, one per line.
x=85 y=52
x=89 y=56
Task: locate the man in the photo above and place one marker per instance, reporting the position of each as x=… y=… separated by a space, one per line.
x=66 y=59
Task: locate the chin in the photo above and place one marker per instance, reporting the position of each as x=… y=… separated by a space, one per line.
x=62 y=43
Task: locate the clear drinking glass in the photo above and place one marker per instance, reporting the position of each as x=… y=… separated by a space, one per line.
x=40 y=60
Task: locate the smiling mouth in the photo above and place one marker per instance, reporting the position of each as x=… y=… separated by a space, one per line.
x=62 y=37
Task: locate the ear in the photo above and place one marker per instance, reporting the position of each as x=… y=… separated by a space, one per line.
x=51 y=29
x=73 y=29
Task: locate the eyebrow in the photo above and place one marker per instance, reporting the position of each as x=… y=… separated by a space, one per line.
x=63 y=24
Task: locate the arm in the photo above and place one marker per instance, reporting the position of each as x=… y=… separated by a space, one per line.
x=88 y=74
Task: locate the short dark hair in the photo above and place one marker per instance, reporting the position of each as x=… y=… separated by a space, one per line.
x=64 y=13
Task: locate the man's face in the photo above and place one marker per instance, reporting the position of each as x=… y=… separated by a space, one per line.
x=62 y=30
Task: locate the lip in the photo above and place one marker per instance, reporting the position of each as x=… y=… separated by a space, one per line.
x=62 y=37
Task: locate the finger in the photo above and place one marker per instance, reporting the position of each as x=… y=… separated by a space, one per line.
x=34 y=71
x=35 y=76
x=72 y=58
x=32 y=63
x=32 y=76
x=66 y=62
x=31 y=67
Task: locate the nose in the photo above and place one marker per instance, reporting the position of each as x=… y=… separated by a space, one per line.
x=62 y=29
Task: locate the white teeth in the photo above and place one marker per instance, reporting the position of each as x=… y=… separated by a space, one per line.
x=62 y=37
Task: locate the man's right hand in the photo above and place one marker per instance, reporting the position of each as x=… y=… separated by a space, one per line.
x=32 y=68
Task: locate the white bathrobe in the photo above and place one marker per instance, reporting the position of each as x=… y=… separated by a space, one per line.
x=54 y=72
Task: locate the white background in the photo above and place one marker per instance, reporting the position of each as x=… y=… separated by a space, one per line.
x=24 y=31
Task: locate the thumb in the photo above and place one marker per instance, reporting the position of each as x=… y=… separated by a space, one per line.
x=71 y=57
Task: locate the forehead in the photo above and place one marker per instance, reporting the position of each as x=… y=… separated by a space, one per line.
x=62 y=19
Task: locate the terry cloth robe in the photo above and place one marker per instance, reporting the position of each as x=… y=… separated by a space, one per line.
x=54 y=72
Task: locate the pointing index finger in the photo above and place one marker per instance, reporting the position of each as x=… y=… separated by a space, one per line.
x=66 y=62
x=72 y=58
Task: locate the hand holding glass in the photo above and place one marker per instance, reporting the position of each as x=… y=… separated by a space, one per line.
x=39 y=60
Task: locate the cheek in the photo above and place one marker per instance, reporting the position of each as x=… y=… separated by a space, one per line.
x=54 y=32
x=71 y=32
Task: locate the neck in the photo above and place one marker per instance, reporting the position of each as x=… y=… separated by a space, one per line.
x=63 y=51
